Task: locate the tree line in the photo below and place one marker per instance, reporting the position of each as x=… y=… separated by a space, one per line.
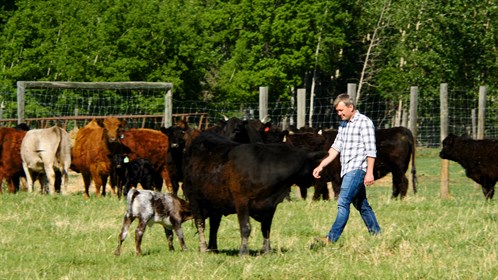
x=225 y=50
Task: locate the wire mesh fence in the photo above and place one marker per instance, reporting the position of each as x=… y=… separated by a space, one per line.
x=145 y=108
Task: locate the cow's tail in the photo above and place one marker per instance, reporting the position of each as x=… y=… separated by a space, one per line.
x=132 y=194
x=414 y=169
x=63 y=148
x=59 y=150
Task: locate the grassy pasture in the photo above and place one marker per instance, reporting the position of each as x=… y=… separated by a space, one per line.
x=424 y=237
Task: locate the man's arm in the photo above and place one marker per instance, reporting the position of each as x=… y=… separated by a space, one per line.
x=326 y=161
x=369 y=177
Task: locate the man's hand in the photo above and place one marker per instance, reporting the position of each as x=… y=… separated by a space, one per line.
x=369 y=180
x=317 y=171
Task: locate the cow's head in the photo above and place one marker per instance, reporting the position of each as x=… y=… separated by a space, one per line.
x=113 y=128
x=175 y=135
x=448 y=151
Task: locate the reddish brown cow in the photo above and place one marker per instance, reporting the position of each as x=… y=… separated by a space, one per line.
x=94 y=145
x=10 y=157
x=152 y=145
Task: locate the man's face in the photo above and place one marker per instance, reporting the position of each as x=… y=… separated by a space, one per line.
x=344 y=112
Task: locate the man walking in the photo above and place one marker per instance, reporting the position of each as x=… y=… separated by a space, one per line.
x=355 y=142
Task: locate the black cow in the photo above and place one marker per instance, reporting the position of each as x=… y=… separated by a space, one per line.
x=395 y=151
x=331 y=173
x=477 y=157
x=176 y=136
x=223 y=177
x=131 y=173
x=248 y=131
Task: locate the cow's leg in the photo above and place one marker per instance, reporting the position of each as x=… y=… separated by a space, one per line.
x=104 y=184
x=58 y=182
x=177 y=226
x=336 y=186
x=214 y=225
x=200 y=225
x=29 y=179
x=167 y=179
x=303 y=191
x=325 y=192
x=488 y=190
x=128 y=219
x=119 y=186
x=139 y=233
x=23 y=185
x=169 y=237
x=50 y=174
x=43 y=179
x=400 y=184
x=87 y=179
x=265 y=231
x=321 y=190
x=98 y=185
x=65 y=181
x=112 y=184
x=14 y=184
x=158 y=182
x=245 y=228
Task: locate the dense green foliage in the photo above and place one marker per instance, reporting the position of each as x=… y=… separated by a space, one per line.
x=225 y=50
x=424 y=237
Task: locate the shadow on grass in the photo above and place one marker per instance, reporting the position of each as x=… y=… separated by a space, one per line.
x=252 y=253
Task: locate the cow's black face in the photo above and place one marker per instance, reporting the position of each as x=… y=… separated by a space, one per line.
x=447 y=151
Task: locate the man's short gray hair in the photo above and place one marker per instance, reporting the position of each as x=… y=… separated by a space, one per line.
x=344 y=98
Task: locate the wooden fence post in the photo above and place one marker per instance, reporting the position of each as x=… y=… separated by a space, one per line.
x=263 y=103
x=168 y=109
x=413 y=111
x=21 y=88
x=2 y=106
x=352 y=92
x=301 y=107
x=444 y=183
x=473 y=117
x=483 y=90
x=413 y=119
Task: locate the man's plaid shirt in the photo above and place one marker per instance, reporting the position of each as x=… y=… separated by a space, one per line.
x=355 y=142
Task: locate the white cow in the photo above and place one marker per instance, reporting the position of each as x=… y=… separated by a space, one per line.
x=45 y=152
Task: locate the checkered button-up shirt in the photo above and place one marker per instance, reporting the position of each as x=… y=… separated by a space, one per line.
x=355 y=142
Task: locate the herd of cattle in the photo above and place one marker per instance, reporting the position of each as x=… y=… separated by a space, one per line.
x=242 y=167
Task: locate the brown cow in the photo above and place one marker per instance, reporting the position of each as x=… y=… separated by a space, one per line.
x=152 y=145
x=10 y=157
x=94 y=145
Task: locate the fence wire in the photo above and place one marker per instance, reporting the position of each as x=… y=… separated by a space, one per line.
x=384 y=113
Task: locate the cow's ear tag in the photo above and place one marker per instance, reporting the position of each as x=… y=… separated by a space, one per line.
x=122 y=136
x=126 y=160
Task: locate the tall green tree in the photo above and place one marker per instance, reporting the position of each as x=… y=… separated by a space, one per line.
x=275 y=45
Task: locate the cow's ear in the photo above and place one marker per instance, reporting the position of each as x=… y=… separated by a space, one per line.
x=100 y=122
x=449 y=139
x=465 y=136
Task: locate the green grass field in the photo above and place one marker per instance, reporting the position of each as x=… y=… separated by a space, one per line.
x=424 y=237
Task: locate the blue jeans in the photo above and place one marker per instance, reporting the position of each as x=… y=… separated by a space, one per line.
x=353 y=191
